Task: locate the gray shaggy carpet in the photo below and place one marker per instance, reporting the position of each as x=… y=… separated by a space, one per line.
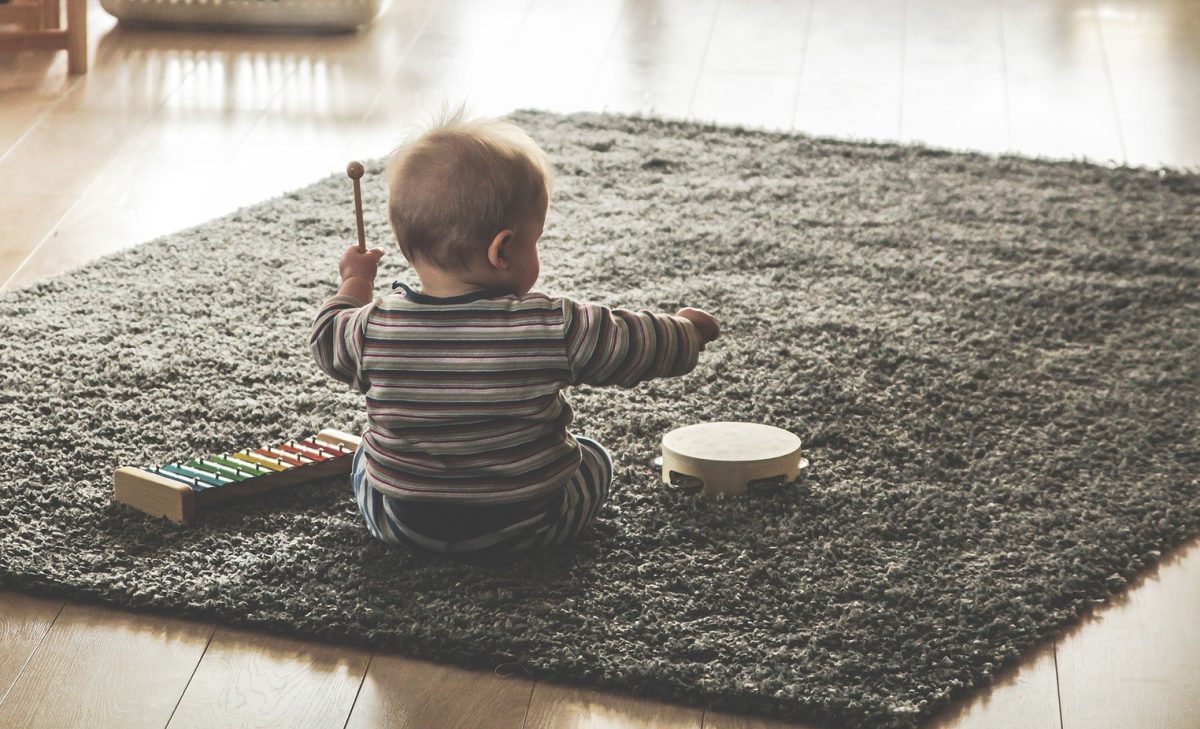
x=993 y=364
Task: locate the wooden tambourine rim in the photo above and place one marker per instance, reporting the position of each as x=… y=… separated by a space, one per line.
x=731 y=475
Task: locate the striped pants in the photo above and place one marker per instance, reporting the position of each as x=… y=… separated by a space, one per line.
x=495 y=531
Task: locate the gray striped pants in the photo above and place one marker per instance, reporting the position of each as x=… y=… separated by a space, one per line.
x=490 y=532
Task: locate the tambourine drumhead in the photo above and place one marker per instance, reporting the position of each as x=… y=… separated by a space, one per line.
x=728 y=456
x=731 y=441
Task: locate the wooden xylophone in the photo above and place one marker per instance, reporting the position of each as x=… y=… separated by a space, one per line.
x=178 y=490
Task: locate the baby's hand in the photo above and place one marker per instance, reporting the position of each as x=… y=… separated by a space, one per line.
x=707 y=326
x=360 y=265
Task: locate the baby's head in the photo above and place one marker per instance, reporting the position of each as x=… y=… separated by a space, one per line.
x=469 y=199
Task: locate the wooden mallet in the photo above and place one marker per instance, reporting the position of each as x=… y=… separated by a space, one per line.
x=355 y=171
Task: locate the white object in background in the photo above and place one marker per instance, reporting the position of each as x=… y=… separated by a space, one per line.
x=324 y=15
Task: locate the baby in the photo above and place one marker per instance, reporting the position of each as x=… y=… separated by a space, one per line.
x=468 y=449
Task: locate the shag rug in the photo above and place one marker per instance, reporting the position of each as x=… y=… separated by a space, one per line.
x=993 y=364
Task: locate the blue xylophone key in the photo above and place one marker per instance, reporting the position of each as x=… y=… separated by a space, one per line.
x=202 y=480
x=159 y=471
x=218 y=469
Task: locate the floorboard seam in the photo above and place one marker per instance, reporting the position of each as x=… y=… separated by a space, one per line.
x=532 y=690
x=191 y=677
x=362 y=681
x=32 y=653
x=1112 y=92
x=712 y=26
x=1058 y=687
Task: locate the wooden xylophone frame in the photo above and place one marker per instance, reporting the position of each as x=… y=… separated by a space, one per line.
x=146 y=490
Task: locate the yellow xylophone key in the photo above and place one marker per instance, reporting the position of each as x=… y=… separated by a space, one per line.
x=260 y=461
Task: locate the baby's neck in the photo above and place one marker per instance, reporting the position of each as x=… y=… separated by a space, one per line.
x=443 y=284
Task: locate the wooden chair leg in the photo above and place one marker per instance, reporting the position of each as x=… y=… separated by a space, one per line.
x=77 y=38
x=50 y=15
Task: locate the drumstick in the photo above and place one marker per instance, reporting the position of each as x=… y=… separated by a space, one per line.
x=355 y=171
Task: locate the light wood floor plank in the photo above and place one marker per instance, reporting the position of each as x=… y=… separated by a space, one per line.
x=248 y=679
x=556 y=55
x=654 y=59
x=20 y=112
x=24 y=221
x=70 y=173
x=445 y=54
x=954 y=76
x=566 y=707
x=99 y=667
x=1136 y=662
x=663 y=33
x=131 y=74
x=722 y=720
x=725 y=97
x=759 y=36
x=1058 y=85
x=402 y=693
x=629 y=87
x=24 y=622
x=1025 y=696
x=468 y=33
x=753 y=64
x=1150 y=48
x=852 y=79
x=135 y=197
x=50 y=188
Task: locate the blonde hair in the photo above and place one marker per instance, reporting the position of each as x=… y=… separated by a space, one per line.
x=453 y=187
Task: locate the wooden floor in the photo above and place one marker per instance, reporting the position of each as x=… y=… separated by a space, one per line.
x=172 y=128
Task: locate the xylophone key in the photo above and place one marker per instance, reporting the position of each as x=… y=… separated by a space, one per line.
x=256 y=459
x=288 y=457
x=185 y=480
x=199 y=477
x=294 y=447
x=230 y=473
x=324 y=447
x=283 y=460
x=252 y=469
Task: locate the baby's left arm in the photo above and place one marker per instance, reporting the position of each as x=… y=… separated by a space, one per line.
x=607 y=346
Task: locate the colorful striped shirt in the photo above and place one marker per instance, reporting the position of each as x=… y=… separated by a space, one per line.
x=464 y=394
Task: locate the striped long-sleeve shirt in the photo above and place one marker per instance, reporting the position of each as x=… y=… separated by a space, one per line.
x=464 y=394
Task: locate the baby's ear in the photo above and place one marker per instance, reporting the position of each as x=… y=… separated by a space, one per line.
x=498 y=251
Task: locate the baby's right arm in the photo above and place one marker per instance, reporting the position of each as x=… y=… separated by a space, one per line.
x=336 y=339
x=621 y=347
